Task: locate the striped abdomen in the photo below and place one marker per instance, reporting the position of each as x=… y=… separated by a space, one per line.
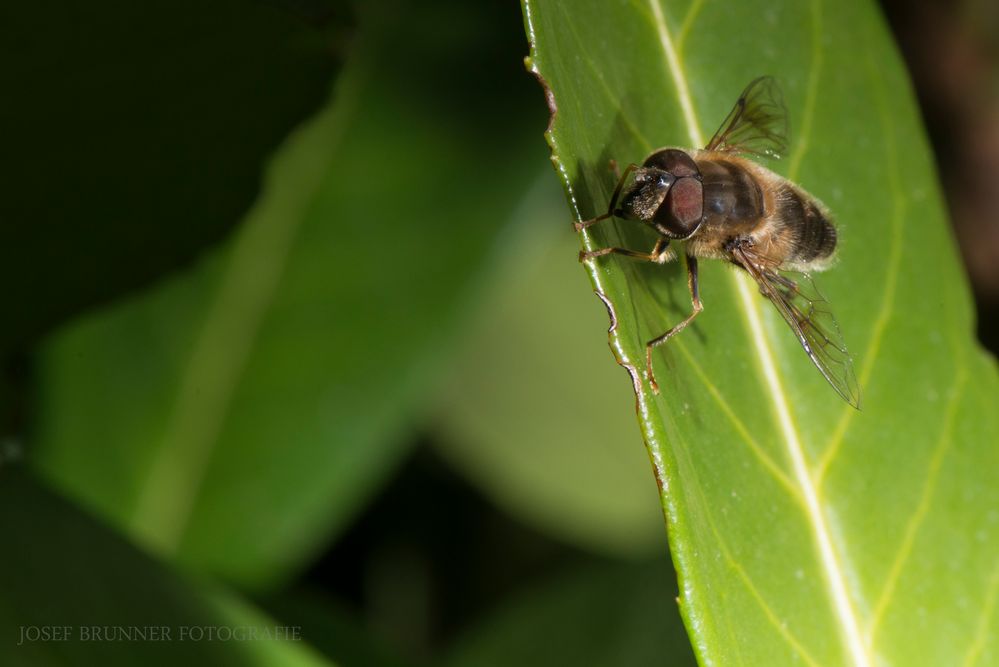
x=744 y=199
x=810 y=235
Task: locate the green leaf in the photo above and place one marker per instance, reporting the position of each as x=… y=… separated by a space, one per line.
x=803 y=531
x=517 y=413
x=136 y=136
x=598 y=614
x=239 y=415
x=63 y=572
x=337 y=630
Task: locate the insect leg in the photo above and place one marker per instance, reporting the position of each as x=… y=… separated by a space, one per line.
x=695 y=300
x=660 y=253
x=579 y=226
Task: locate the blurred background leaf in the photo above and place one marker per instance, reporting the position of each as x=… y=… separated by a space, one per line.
x=335 y=629
x=135 y=134
x=597 y=614
x=515 y=415
x=275 y=381
x=60 y=567
x=802 y=530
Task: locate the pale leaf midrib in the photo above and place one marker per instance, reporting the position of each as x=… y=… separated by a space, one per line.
x=768 y=464
x=772 y=617
x=834 y=576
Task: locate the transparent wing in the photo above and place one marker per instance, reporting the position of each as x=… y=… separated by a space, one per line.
x=757 y=124
x=807 y=313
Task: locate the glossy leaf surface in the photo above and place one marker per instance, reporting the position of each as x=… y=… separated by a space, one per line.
x=803 y=531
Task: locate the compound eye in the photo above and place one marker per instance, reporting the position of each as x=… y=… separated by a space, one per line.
x=681 y=211
x=674 y=161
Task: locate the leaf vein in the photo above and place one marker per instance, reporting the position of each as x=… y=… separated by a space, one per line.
x=605 y=88
x=775 y=470
x=747 y=581
x=254 y=269
x=835 y=578
x=675 y=70
x=687 y=24
x=982 y=633
x=811 y=93
x=899 y=207
x=834 y=575
x=922 y=507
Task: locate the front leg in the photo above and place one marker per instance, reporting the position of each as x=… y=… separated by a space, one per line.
x=660 y=253
x=580 y=226
x=695 y=300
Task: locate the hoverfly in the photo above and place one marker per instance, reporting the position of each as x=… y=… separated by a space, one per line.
x=722 y=205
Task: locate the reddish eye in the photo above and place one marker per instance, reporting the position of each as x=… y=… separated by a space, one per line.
x=686 y=201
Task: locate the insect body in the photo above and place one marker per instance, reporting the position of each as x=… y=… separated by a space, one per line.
x=721 y=205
